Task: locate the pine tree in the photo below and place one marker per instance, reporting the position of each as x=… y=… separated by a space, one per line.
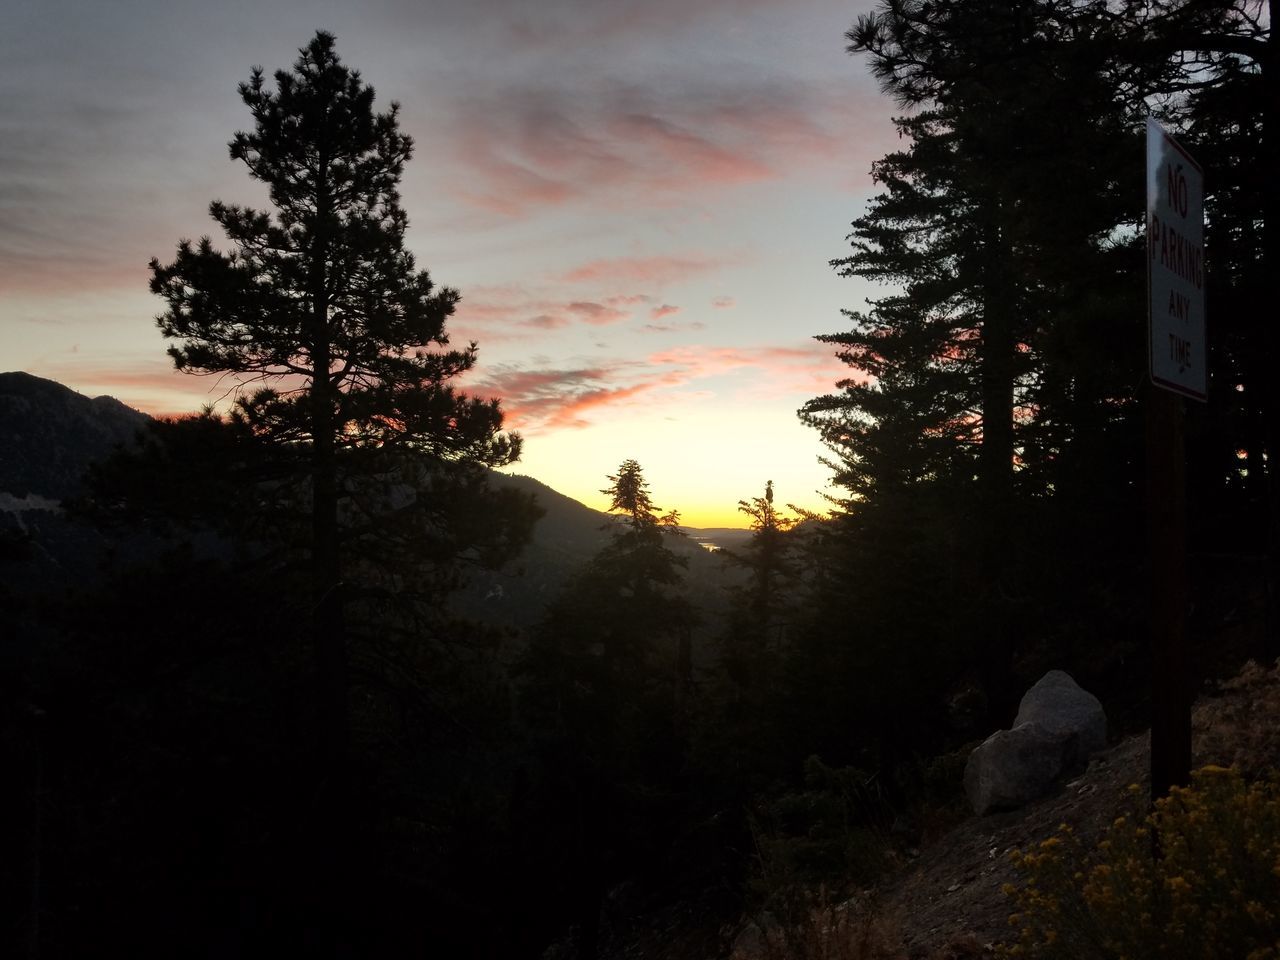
x=335 y=342
x=740 y=740
x=1003 y=359
x=605 y=691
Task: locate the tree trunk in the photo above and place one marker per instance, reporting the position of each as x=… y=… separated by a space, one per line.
x=334 y=827
x=1270 y=64
x=995 y=466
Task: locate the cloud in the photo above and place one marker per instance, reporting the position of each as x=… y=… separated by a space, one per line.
x=567 y=25
x=655 y=271
x=723 y=303
x=525 y=147
x=546 y=321
x=806 y=369
x=496 y=314
x=597 y=314
x=672 y=327
x=666 y=310
x=558 y=397
x=692 y=158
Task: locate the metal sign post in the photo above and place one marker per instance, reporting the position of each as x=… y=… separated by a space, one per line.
x=1178 y=368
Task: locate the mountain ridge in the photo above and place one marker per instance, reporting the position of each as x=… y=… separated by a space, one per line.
x=50 y=435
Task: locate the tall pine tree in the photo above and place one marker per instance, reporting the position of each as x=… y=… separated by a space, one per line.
x=1003 y=357
x=336 y=343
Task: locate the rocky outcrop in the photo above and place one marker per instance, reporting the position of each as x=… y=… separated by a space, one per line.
x=1058 y=727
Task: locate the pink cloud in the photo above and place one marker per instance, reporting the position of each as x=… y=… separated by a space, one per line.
x=543 y=399
x=692 y=158
x=572 y=413
x=723 y=303
x=546 y=321
x=483 y=310
x=666 y=310
x=655 y=270
x=519 y=150
x=672 y=327
x=557 y=399
x=597 y=314
x=55 y=273
x=507 y=186
x=807 y=369
x=507 y=313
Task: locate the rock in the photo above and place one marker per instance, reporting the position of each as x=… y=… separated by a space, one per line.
x=754 y=938
x=1057 y=728
x=1013 y=767
x=1059 y=705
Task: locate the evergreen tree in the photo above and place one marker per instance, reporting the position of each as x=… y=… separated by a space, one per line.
x=767 y=557
x=320 y=303
x=1004 y=359
x=605 y=688
x=740 y=743
x=335 y=342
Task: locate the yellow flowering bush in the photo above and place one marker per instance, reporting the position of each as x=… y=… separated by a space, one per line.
x=1198 y=877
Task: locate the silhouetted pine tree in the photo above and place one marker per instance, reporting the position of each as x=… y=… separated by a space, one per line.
x=321 y=316
x=1006 y=358
x=605 y=685
x=739 y=743
x=320 y=301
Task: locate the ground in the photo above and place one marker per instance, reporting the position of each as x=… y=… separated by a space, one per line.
x=952 y=893
x=945 y=901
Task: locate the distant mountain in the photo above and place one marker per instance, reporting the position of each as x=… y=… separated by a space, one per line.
x=49 y=434
x=564 y=539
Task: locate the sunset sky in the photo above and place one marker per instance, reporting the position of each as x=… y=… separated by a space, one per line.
x=637 y=202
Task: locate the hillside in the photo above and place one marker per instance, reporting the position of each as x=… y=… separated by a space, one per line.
x=52 y=434
x=564 y=538
x=951 y=894
x=49 y=434
x=944 y=899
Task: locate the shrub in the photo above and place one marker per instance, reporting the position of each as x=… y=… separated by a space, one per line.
x=1197 y=877
x=822 y=929
x=833 y=831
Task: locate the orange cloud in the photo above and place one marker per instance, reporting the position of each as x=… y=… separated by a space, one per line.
x=564 y=398
x=551 y=399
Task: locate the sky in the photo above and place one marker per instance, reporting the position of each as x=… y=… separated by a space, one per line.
x=638 y=202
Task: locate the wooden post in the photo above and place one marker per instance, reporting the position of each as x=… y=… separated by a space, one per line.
x=1167 y=553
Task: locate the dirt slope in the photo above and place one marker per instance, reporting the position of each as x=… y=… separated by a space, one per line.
x=951 y=893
